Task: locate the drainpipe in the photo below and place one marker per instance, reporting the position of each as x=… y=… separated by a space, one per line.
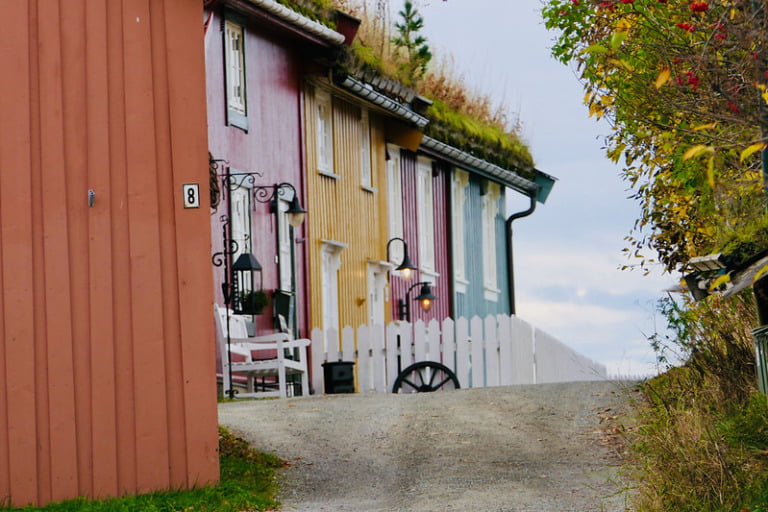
x=510 y=257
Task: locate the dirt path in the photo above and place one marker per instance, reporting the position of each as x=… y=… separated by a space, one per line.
x=513 y=449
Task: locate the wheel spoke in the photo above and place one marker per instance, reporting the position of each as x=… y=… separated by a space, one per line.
x=433 y=376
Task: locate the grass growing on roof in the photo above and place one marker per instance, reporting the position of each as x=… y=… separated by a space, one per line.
x=460 y=116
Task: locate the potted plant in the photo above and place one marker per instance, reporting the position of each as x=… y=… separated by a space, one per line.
x=253 y=302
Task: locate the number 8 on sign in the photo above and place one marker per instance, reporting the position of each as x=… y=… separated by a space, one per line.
x=191 y=192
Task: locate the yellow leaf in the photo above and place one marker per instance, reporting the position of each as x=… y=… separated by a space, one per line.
x=663 y=77
x=711 y=172
x=725 y=278
x=697 y=150
x=705 y=127
x=758 y=146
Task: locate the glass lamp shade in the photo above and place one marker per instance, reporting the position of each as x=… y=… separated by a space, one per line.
x=295 y=213
x=425 y=297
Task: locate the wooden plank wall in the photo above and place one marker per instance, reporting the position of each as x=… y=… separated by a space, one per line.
x=340 y=209
x=107 y=379
x=441 y=308
x=473 y=302
x=271 y=146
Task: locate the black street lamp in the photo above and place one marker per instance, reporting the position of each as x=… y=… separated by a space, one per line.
x=406 y=267
x=425 y=298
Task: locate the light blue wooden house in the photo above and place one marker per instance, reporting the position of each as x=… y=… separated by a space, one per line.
x=480 y=240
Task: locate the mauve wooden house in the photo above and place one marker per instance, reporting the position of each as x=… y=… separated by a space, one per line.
x=258 y=53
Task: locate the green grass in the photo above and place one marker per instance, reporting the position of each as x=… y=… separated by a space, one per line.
x=700 y=442
x=247 y=485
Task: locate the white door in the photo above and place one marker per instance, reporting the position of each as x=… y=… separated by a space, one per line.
x=377 y=282
x=330 y=264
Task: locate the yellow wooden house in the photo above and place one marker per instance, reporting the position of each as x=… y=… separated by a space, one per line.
x=348 y=125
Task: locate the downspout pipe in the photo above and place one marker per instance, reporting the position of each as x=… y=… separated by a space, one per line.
x=510 y=247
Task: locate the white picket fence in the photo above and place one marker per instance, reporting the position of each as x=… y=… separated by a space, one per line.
x=496 y=351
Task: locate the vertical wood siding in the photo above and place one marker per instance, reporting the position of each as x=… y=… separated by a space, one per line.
x=441 y=308
x=106 y=348
x=341 y=210
x=271 y=146
x=473 y=302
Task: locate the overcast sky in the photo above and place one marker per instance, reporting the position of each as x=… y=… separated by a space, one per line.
x=568 y=252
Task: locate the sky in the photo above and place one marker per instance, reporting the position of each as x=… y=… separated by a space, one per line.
x=568 y=253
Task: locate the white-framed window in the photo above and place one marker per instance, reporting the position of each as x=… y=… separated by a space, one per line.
x=425 y=215
x=366 y=167
x=490 y=210
x=234 y=65
x=459 y=184
x=394 y=203
x=324 y=120
x=285 y=254
x=240 y=227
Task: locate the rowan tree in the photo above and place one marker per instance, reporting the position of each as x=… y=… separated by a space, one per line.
x=683 y=86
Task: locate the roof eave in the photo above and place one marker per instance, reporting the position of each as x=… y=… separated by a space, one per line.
x=480 y=167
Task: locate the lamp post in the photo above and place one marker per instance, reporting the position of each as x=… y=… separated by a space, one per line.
x=425 y=298
x=406 y=267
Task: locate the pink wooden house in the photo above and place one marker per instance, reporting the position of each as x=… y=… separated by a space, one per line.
x=257 y=54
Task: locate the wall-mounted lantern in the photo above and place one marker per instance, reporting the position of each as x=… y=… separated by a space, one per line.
x=405 y=267
x=425 y=298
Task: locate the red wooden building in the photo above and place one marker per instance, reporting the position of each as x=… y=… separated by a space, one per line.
x=106 y=343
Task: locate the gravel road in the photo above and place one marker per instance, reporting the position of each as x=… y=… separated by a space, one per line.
x=510 y=449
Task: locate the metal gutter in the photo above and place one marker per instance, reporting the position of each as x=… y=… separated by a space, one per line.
x=486 y=169
x=368 y=93
x=300 y=21
x=510 y=253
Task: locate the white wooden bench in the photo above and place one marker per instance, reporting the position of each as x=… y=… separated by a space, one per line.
x=260 y=357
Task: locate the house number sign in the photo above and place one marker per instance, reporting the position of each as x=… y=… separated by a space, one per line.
x=191 y=192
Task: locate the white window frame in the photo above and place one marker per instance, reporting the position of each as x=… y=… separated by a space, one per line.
x=395 y=203
x=324 y=123
x=459 y=184
x=234 y=66
x=425 y=216
x=366 y=166
x=285 y=268
x=490 y=210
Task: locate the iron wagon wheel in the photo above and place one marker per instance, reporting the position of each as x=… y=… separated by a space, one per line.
x=425 y=377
